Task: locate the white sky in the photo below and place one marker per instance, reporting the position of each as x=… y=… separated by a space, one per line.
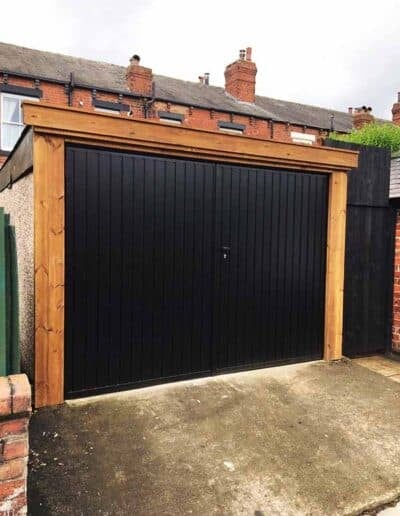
x=330 y=53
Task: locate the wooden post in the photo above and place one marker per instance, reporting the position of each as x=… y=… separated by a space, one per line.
x=48 y=167
x=336 y=239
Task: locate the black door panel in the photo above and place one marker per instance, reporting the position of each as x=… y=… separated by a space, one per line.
x=177 y=268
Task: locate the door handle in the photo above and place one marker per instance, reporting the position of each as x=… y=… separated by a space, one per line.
x=226 y=253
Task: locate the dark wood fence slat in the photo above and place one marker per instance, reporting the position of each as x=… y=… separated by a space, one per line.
x=369 y=253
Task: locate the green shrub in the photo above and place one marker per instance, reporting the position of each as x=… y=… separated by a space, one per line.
x=380 y=135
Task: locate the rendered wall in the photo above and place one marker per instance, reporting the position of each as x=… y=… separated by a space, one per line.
x=18 y=202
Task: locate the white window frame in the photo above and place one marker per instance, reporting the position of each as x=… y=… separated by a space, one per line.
x=304 y=138
x=170 y=121
x=108 y=111
x=21 y=98
x=231 y=131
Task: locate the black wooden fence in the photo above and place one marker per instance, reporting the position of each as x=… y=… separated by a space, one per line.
x=369 y=253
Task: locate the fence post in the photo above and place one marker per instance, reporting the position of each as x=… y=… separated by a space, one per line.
x=13 y=340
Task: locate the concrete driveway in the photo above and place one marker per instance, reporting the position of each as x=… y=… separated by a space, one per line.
x=318 y=439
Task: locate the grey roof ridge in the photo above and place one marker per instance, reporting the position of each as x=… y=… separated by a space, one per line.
x=313 y=106
x=85 y=59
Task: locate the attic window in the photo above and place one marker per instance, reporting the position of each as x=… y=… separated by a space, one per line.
x=21 y=91
x=231 y=127
x=11 y=119
x=307 y=139
x=109 y=107
x=171 y=118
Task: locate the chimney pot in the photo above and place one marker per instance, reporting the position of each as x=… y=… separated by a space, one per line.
x=207 y=78
x=350 y=110
x=135 y=59
x=248 y=54
x=242 y=54
x=362 y=116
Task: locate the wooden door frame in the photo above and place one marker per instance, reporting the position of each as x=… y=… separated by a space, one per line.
x=56 y=126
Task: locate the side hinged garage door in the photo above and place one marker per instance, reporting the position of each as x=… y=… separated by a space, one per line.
x=180 y=268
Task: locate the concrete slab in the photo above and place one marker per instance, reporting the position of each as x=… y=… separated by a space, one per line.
x=315 y=439
x=380 y=364
x=391 y=511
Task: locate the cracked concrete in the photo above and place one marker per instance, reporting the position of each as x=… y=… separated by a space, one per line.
x=309 y=439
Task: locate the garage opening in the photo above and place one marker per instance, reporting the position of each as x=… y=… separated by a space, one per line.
x=178 y=268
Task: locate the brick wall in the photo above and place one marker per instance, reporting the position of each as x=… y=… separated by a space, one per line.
x=15 y=410
x=194 y=117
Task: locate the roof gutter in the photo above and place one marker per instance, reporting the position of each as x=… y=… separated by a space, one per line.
x=125 y=93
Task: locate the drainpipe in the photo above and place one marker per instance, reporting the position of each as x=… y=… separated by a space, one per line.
x=71 y=86
x=149 y=102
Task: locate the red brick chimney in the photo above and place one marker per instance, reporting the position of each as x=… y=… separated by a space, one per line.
x=396 y=111
x=139 y=78
x=240 y=77
x=361 y=116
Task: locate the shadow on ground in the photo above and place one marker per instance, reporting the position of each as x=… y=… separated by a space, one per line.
x=307 y=439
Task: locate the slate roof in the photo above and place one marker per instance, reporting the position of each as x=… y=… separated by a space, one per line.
x=99 y=75
x=394 y=190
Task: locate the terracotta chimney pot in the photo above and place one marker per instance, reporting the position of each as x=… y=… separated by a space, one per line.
x=362 y=116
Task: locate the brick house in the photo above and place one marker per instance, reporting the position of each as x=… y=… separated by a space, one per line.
x=134 y=91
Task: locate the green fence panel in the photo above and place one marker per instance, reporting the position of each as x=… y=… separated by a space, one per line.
x=9 y=309
x=15 y=359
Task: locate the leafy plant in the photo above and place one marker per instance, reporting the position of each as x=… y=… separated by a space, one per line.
x=380 y=135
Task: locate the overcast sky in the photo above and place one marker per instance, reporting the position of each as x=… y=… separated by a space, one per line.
x=333 y=54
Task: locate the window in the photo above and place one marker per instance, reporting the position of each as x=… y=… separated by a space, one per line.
x=11 y=119
x=307 y=139
x=231 y=127
x=105 y=110
x=171 y=118
x=114 y=108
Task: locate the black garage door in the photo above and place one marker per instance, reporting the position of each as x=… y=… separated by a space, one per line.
x=180 y=268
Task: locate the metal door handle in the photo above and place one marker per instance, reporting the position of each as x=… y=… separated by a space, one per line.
x=226 y=253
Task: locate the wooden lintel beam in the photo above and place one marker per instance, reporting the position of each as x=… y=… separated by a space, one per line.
x=189 y=142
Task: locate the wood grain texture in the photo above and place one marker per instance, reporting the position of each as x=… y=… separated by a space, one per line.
x=155 y=137
x=336 y=239
x=48 y=159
